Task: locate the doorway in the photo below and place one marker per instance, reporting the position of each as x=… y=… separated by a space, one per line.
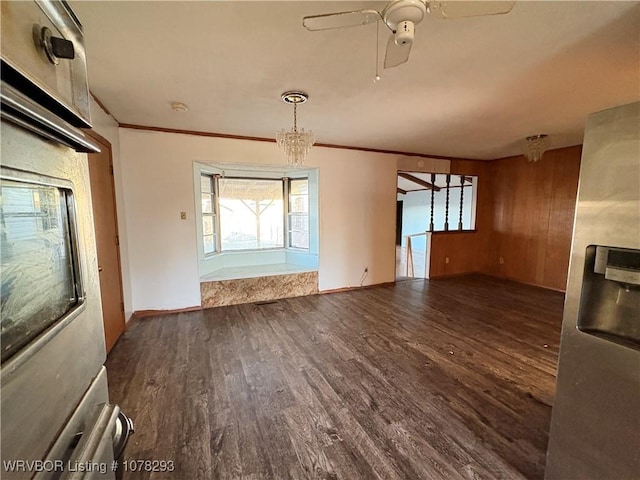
x=413 y=192
x=107 y=241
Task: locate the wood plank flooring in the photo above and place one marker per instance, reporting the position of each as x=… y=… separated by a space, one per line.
x=443 y=379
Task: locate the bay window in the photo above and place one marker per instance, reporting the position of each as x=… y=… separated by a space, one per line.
x=241 y=213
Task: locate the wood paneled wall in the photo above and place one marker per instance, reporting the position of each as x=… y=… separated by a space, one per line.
x=534 y=205
x=524 y=217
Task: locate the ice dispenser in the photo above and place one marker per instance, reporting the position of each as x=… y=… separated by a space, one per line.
x=610 y=299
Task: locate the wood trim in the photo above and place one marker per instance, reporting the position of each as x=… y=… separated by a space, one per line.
x=272 y=140
x=102 y=106
x=449 y=232
x=195 y=133
x=349 y=289
x=549 y=150
x=462 y=274
x=499 y=277
x=138 y=314
x=418 y=181
x=106 y=144
x=98 y=138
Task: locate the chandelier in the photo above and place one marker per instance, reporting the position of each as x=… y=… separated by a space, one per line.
x=535 y=147
x=296 y=144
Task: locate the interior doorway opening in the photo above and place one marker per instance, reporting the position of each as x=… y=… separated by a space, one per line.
x=427 y=203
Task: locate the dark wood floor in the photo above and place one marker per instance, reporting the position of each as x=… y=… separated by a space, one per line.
x=450 y=378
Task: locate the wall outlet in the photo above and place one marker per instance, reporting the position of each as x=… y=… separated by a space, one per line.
x=501 y=261
x=183 y=215
x=446 y=259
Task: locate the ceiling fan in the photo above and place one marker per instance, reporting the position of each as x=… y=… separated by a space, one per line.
x=401 y=16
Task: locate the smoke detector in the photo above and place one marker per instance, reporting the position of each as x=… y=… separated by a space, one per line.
x=179 y=107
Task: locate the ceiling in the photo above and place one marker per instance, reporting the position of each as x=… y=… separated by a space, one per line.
x=473 y=88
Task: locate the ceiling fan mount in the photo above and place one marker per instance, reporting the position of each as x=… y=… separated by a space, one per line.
x=400 y=11
x=401 y=17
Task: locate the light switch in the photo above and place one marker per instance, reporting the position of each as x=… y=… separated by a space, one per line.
x=183 y=215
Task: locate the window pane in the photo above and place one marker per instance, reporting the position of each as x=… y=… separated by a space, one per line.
x=207 y=224
x=205 y=183
x=299 y=234
x=207 y=204
x=299 y=196
x=299 y=222
x=251 y=214
x=209 y=244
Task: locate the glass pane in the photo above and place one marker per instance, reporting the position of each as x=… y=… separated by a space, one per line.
x=299 y=196
x=207 y=224
x=299 y=234
x=206 y=184
x=209 y=243
x=299 y=222
x=207 y=204
x=251 y=214
x=38 y=279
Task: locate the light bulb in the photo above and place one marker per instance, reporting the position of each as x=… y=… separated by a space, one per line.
x=376 y=78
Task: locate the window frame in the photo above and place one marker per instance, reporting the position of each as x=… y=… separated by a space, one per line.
x=215 y=177
x=215 y=209
x=289 y=215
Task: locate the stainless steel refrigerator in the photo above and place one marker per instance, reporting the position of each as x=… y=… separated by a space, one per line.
x=595 y=425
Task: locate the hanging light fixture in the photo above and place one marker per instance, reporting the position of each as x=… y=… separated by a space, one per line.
x=535 y=146
x=296 y=144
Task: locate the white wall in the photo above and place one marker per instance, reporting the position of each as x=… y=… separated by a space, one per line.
x=356 y=207
x=415 y=216
x=107 y=127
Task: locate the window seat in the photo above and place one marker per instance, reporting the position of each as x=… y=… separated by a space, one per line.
x=257 y=283
x=254 y=271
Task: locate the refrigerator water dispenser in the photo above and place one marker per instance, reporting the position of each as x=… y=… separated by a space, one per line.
x=610 y=299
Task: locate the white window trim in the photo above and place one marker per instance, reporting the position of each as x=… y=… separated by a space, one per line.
x=254 y=171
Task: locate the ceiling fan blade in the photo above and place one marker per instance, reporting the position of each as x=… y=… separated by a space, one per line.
x=470 y=8
x=396 y=54
x=341 y=20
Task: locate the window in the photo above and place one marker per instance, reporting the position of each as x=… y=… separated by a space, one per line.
x=251 y=214
x=299 y=213
x=207 y=189
x=254 y=213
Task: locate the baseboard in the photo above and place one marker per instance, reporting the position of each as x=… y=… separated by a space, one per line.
x=152 y=313
x=349 y=289
x=459 y=274
x=517 y=280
